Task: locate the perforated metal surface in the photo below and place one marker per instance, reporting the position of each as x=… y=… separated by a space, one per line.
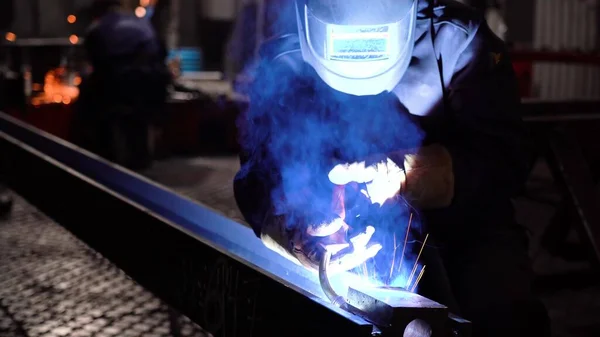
x=206 y=180
x=51 y=284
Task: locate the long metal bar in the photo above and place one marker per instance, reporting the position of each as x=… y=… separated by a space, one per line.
x=536 y=111
x=210 y=268
x=592 y=58
x=575 y=177
x=563 y=118
x=397 y=309
x=43 y=42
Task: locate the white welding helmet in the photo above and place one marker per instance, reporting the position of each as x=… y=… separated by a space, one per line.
x=360 y=47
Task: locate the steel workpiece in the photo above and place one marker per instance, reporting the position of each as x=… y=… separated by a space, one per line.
x=203 y=264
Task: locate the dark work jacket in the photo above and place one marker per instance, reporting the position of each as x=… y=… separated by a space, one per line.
x=119 y=36
x=7 y=14
x=128 y=61
x=459 y=91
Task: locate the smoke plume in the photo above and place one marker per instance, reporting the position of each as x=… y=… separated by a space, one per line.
x=297 y=129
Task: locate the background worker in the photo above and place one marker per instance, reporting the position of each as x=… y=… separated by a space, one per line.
x=414 y=105
x=126 y=89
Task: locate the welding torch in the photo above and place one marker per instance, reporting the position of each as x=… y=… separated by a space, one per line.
x=339 y=207
x=356 y=246
x=335 y=298
x=339 y=300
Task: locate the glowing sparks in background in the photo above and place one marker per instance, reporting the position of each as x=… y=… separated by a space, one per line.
x=10 y=36
x=140 y=12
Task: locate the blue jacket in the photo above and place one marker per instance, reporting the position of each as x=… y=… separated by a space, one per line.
x=459 y=90
x=119 y=38
x=129 y=64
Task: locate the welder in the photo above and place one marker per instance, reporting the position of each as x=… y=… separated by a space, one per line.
x=127 y=87
x=411 y=100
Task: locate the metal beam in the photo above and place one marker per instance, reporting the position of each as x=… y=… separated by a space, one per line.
x=44 y=42
x=397 y=309
x=212 y=269
x=545 y=111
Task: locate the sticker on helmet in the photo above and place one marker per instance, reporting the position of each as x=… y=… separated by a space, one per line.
x=370 y=43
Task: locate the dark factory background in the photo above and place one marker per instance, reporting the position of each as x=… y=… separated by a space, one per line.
x=54 y=283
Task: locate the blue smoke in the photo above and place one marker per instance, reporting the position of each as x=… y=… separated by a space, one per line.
x=297 y=129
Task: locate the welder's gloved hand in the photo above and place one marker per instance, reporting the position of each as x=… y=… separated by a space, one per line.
x=427 y=180
x=383 y=179
x=307 y=244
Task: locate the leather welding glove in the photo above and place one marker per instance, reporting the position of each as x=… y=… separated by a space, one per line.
x=306 y=245
x=426 y=179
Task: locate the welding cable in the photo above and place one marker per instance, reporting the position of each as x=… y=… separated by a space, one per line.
x=339 y=300
x=335 y=299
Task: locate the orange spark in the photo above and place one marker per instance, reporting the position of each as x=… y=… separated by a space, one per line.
x=412 y=274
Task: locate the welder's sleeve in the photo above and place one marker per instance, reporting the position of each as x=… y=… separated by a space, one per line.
x=252 y=187
x=488 y=142
x=258 y=175
x=252 y=190
x=93 y=45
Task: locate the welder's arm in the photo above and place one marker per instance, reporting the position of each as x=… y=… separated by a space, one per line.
x=92 y=45
x=488 y=142
x=300 y=235
x=258 y=176
x=252 y=186
x=422 y=176
x=305 y=242
x=482 y=152
x=302 y=241
x=428 y=176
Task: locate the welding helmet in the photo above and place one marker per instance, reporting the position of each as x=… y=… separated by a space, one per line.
x=359 y=47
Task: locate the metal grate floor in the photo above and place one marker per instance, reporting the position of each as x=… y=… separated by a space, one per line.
x=208 y=180
x=52 y=284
